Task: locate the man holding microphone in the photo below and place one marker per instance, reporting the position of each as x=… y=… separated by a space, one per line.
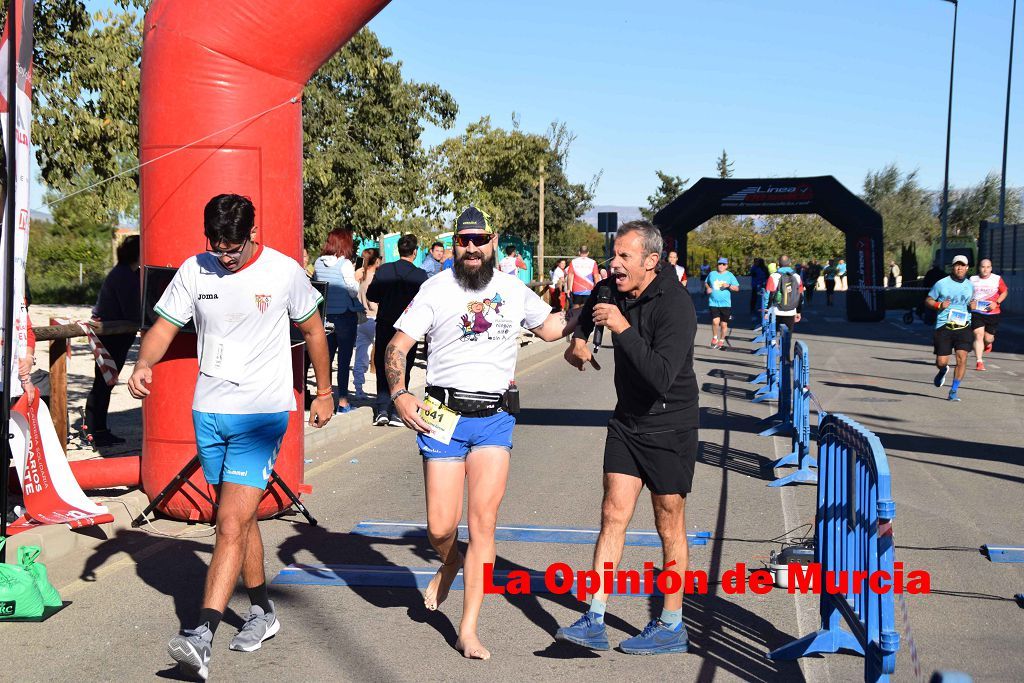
x=652 y=436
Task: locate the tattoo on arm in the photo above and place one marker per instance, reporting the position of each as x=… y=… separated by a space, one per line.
x=394 y=367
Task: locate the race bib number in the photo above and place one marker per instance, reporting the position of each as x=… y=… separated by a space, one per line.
x=441 y=420
x=958 y=317
x=222 y=358
x=984 y=306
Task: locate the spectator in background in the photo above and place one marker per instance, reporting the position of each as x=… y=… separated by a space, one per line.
x=368 y=326
x=433 y=262
x=758 y=281
x=306 y=265
x=120 y=298
x=335 y=267
x=449 y=259
x=512 y=262
x=558 y=286
x=894 y=274
x=673 y=260
x=393 y=288
x=841 y=274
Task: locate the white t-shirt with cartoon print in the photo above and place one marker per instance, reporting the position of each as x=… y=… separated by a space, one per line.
x=242 y=321
x=474 y=336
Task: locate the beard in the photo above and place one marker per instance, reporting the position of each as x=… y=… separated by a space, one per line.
x=474 y=279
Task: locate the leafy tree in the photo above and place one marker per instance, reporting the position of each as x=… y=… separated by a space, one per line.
x=567 y=241
x=669 y=188
x=906 y=208
x=974 y=204
x=724 y=166
x=86 y=80
x=365 y=166
x=497 y=170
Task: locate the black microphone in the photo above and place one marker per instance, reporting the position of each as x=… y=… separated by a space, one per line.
x=604 y=296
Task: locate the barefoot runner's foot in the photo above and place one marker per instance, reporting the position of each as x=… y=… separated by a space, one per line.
x=437 y=590
x=472 y=648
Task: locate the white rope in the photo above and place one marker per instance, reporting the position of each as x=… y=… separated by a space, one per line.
x=293 y=100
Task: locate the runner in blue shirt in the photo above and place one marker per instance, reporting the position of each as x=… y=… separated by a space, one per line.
x=719 y=287
x=953 y=298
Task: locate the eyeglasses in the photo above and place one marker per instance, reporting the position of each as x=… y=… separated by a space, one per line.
x=234 y=254
x=474 y=239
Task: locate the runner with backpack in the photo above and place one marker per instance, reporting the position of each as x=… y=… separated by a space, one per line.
x=785 y=294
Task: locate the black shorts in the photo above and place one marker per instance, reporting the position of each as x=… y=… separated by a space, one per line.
x=946 y=339
x=989 y=322
x=579 y=299
x=663 y=461
x=830 y=285
x=720 y=312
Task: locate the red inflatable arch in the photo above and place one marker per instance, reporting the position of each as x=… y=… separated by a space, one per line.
x=206 y=67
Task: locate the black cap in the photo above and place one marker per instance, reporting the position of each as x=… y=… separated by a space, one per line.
x=473 y=219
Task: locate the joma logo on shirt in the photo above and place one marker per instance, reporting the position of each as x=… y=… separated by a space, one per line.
x=207 y=296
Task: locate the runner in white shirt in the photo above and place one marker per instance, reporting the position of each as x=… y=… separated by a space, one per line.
x=473 y=315
x=512 y=262
x=243 y=297
x=990 y=292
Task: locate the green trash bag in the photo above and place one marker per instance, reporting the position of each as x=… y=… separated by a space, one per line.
x=19 y=596
x=27 y=555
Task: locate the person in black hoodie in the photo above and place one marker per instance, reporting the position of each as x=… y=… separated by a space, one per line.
x=652 y=435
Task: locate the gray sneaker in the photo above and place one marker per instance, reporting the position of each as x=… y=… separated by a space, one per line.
x=191 y=649
x=258 y=627
x=395 y=421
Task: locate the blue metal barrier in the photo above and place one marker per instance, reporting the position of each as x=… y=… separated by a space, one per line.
x=759 y=339
x=770 y=376
x=800 y=423
x=853 y=533
x=782 y=421
x=768 y=333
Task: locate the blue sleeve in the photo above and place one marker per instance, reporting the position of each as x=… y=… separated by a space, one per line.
x=733 y=281
x=935 y=292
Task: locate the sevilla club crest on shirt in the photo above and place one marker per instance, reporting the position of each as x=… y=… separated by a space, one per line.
x=262 y=302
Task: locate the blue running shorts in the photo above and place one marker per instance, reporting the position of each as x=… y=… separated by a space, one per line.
x=471 y=433
x=240 y=449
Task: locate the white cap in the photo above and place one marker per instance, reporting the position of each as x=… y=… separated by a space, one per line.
x=960 y=258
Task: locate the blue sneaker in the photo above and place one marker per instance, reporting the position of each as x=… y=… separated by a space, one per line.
x=587 y=631
x=656 y=639
x=940 y=376
x=952 y=395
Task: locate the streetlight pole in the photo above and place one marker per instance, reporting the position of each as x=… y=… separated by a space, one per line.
x=1006 y=125
x=949 y=127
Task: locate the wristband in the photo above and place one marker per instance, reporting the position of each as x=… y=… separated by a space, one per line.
x=399 y=393
x=321 y=394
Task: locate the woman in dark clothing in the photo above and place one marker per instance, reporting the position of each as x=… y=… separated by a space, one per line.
x=120 y=299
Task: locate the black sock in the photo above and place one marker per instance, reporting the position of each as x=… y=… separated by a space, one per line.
x=258 y=596
x=211 y=618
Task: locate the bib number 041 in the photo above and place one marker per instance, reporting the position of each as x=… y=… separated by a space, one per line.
x=441 y=420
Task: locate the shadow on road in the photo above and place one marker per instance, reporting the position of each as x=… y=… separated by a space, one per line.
x=563 y=417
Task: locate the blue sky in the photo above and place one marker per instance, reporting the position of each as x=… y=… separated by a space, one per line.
x=805 y=88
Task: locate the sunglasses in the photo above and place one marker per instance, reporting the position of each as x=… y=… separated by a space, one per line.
x=474 y=239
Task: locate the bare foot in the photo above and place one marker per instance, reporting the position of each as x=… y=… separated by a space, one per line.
x=472 y=648
x=437 y=589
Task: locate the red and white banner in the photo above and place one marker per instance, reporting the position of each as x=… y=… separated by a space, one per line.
x=52 y=495
x=22 y=53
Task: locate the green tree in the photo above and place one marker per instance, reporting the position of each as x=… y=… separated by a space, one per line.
x=724 y=166
x=498 y=171
x=364 y=164
x=906 y=208
x=566 y=242
x=802 y=237
x=85 y=114
x=669 y=188
x=980 y=202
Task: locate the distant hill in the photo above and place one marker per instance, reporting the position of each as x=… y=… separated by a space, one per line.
x=626 y=213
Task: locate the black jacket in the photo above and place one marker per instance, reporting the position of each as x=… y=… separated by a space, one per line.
x=394 y=286
x=654 y=380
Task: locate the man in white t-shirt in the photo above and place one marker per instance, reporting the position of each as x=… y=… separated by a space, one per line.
x=512 y=263
x=242 y=297
x=473 y=314
x=990 y=292
x=583 y=274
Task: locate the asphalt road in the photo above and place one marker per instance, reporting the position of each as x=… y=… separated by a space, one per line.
x=957 y=473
